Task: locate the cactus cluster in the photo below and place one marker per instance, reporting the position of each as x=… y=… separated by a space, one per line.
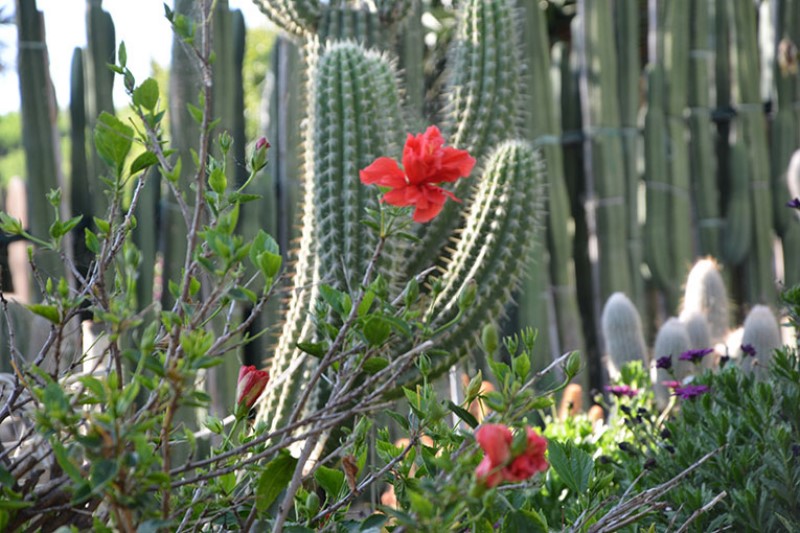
x=354 y=115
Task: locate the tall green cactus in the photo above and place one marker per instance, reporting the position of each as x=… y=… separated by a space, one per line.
x=39 y=129
x=543 y=127
x=607 y=212
x=704 y=179
x=100 y=52
x=354 y=116
x=752 y=132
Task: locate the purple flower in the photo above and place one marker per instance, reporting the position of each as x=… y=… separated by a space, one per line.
x=695 y=356
x=622 y=390
x=794 y=203
x=664 y=362
x=749 y=349
x=690 y=391
x=671 y=384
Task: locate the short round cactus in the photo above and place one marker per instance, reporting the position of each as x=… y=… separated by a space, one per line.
x=762 y=335
x=705 y=293
x=622 y=331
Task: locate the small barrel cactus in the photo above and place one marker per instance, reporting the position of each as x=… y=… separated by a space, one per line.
x=622 y=331
x=762 y=335
x=705 y=293
x=671 y=341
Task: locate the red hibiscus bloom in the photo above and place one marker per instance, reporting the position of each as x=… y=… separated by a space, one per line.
x=250 y=385
x=530 y=461
x=426 y=162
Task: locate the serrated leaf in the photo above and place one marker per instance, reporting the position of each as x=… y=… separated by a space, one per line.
x=463 y=414
x=274 y=478
x=573 y=465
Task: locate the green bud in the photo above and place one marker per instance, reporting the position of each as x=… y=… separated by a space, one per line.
x=412 y=292
x=573 y=364
x=258 y=159
x=490 y=338
x=424 y=364
x=312 y=503
x=468 y=295
x=474 y=386
x=225 y=141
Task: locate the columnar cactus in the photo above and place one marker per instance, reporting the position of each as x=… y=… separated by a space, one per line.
x=354 y=117
x=622 y=332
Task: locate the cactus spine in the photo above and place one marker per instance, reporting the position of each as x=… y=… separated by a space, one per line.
x=622 y=331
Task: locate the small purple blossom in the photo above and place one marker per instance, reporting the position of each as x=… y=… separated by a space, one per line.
x=671 y=384
x=622 y=390
x=695 y=356
x=690 y=391
x=793 y=203
x=664 y=362
x=749 y=349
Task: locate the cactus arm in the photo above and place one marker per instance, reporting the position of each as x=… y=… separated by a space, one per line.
x=297 y=17
x=482 y=93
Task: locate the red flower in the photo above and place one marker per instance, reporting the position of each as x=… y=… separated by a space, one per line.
x=425 y=162
x=495 y=439
x=498 y=465
x=530 y=461
x=251 y=384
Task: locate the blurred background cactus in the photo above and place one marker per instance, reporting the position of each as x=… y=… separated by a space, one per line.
x=666 y=131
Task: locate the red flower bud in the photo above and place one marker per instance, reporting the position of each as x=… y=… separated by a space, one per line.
x=251 y=384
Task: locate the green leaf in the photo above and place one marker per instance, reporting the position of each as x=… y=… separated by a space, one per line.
x=573 y=465
x=50 y=312
x=522 y=520
x=196 y=112
x=146 y=94
x=463 y=414
x=420 y=504
x=103 y=226
x=377 y=330
x=91 y=240
x=333 y=298
x=66 y=464
x=269 y=263
x=374 y=522
x=366 y=303
x=373 y=365
x=113 y=140
x=274 y=478
x=331 y=480
x=521 y=365
x=317 y=349
x=101 y=473
x=143 y=161
x=218 y=181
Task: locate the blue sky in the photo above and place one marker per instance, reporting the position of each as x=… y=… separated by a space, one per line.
x=140 y=23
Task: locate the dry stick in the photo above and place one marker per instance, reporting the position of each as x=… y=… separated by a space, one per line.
x=703 y=509
x=623 y=509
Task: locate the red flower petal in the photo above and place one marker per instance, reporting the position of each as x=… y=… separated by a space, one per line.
x=495 y=439
x=383 y=171
x=454 y=164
